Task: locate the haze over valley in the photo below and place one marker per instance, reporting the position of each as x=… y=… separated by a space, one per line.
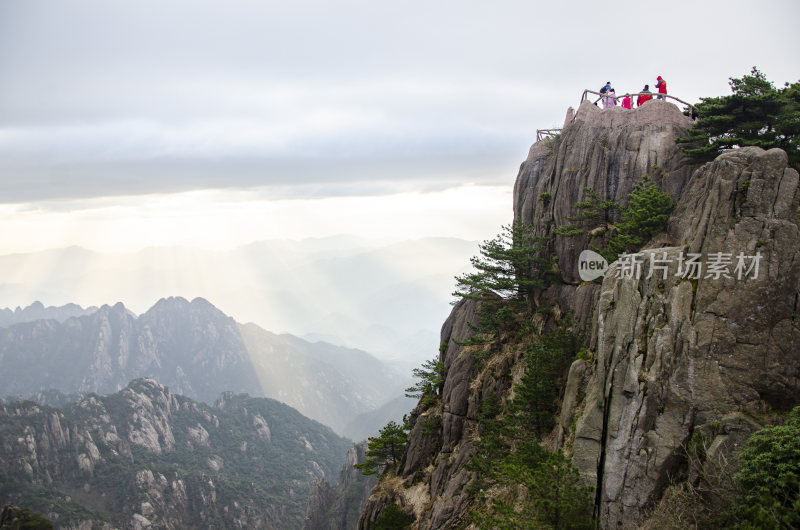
x=386 y=298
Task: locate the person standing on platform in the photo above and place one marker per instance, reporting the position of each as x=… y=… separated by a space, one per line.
x=661 y=85
x=644 y=97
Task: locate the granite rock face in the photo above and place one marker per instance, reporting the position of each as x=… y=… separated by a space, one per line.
x=673 y=352
x=607 y=151
x=338 y=507
x=676 y=354
x=432 y=474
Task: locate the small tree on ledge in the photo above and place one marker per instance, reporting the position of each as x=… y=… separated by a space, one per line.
x=430 y=380
x=384 y=450
x=510 y=265
x=645 y=215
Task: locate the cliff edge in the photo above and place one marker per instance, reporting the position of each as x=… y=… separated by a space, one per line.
x=693 y=340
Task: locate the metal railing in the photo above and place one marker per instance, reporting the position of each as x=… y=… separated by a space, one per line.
x=541 y=134
x=600 y=96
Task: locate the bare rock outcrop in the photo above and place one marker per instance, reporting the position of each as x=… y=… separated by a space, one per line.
x=607 y=151
x=676 y=353
x=338 y=507
x=432 y=476
x=674 y=350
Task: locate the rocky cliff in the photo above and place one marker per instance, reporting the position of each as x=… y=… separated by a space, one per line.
x=145 y=457
x=674 y=354
x=338 y=507
x=678 y=355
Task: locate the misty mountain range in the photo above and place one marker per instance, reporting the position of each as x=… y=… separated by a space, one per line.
x=386 y=298
x=197 y=351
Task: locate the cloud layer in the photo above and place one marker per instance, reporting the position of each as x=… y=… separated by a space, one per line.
x=116 y=98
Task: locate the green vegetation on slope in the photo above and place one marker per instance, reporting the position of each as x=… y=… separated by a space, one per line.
x=251 y=458
x=644 y=215
x=509 y=455
x=14 y=518
x=770 y=476
x=541 y=488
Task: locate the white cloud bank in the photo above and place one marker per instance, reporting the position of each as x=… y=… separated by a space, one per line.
x=314 y=99
x=221 y=220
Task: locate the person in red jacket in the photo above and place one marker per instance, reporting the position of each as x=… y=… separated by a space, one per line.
x=644 y=97
x=661 y=85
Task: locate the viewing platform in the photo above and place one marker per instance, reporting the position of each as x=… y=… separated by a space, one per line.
x=589 y=106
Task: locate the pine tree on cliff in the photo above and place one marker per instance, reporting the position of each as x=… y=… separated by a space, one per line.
x=544 y=489
x=384 y=450
x=645 y=215
x=430 y=381
x=509 y=266
x=755 y=114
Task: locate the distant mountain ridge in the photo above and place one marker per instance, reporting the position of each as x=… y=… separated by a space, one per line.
x=385 y=297
x=197 y=351
x=37 y=311
x=145 y=457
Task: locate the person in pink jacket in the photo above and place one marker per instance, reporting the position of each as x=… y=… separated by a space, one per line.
x=610 y=99
x=626 y=102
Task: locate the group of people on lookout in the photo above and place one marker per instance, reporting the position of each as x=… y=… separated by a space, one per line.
x=609 y=96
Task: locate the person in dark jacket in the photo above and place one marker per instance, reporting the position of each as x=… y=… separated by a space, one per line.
x=644 y=97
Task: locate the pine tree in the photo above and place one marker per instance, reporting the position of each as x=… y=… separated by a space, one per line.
x=509 y=266
x=645 y=215
x=393 y=517
x=490 y=446
x=755 y=114
x=770 y=476
x=430 y=379
x=593 y=212
x=384 y=450
x=535 y=395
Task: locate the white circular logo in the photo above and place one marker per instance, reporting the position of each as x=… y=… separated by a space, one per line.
x=591 y=265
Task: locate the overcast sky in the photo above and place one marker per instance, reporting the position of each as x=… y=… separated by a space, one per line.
x=409 y=117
